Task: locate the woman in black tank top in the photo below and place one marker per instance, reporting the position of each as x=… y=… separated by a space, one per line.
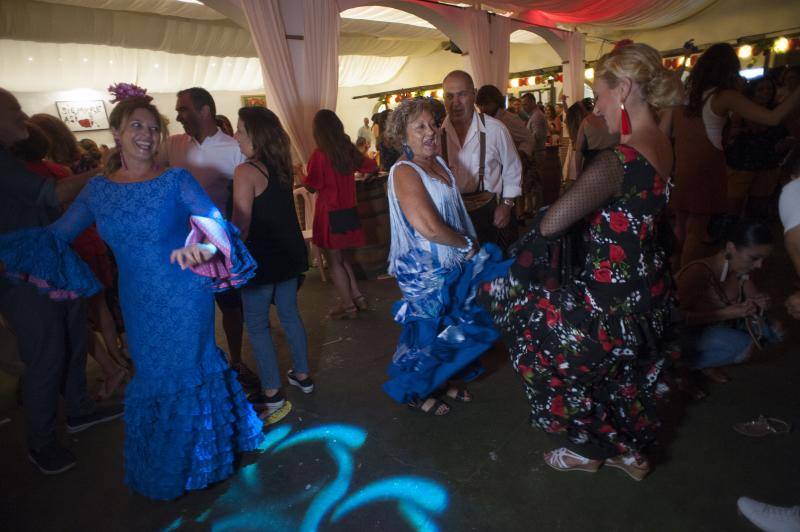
x=263 y=209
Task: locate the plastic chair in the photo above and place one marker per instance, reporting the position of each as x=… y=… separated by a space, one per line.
x=304 y=202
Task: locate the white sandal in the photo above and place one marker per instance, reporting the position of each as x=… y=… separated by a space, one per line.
x=557 y=460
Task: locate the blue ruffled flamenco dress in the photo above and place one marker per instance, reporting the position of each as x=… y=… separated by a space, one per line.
x=444 y=331
x=185 y=412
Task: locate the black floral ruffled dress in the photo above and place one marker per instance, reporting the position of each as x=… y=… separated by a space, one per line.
x=591 y=353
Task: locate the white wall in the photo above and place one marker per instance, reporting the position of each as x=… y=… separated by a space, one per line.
x=228 y=104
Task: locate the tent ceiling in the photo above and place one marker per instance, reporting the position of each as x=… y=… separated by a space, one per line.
x=173 y=8
x=601 y=15
x=59 y=22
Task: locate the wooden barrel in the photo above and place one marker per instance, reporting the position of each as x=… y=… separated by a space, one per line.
x=370 y=261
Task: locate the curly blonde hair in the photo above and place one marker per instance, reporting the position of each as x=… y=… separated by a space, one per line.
x=642 y=64
x=395 y=133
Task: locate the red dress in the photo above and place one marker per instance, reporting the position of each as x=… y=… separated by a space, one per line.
x=336 y=192
x=88 y=245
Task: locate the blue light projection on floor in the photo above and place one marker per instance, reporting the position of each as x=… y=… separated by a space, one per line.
x=245 y=506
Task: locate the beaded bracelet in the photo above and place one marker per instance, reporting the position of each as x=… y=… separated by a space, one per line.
x=467 y=248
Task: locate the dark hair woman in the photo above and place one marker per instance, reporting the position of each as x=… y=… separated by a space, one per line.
x=719 y=301
x=337 y=227
x=263 y=209
x=701 y=177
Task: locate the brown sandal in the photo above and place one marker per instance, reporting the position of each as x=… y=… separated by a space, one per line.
x=437 y=408
x=627 y=463
x=343 y=313
x=361 y=303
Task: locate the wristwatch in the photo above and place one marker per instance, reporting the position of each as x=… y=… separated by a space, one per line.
x=509 y=202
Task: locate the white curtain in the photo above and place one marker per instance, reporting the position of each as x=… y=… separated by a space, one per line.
x=27 y=66
x=321 y=46
x=295 y=104
x=357 y=70
x=488 y=47
x=573 y=68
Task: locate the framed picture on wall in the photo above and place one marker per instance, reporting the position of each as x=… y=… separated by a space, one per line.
x=254 y=100
x=83 y=116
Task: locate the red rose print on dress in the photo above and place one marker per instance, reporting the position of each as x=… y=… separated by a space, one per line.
x=628 y=153
x=557 y=406
x=602 y=275
x=658 y=288
x=525 y=259
x=618 y=222
x=616 y=253
x=658 y=185
x=553 y=317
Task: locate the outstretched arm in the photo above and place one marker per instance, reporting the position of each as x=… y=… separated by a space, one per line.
x=731 y=101
x=601 y=181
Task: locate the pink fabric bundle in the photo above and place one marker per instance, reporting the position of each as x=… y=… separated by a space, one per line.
x=232 y=266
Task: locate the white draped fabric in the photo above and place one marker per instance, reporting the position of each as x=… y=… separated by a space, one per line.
x=488 y=47
x=355 y=69
x=143 y=26
x=45 y=67
x=292 y=102
x=573 y=68
x=321 y=49
x=80 y=66
x=268 y=32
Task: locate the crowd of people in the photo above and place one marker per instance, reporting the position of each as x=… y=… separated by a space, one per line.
x=666 y=213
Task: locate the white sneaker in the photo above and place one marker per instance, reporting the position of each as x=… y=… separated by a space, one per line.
x=768 y=517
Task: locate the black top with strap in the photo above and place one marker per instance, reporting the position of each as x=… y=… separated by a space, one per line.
x=274 y=238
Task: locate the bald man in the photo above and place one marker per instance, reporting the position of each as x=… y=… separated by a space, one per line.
x=465 y=135
x=51 y=336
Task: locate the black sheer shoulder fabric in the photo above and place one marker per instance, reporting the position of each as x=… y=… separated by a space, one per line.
x=596 y=185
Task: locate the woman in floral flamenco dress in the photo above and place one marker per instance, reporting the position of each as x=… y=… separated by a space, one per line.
x=591 y=352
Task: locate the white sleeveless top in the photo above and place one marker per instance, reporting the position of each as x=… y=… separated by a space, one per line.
x=713 y=122
x=450 y=207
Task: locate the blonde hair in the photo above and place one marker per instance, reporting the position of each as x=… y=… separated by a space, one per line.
x=395 y=133
x=642 y=64
x=119 y=118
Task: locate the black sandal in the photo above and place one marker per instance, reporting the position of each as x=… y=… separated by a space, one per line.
x=434 y=410
x=461 y=395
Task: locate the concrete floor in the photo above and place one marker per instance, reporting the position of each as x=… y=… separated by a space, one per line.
x=479 y=468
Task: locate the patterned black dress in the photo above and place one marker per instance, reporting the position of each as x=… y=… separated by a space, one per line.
x=591 y=353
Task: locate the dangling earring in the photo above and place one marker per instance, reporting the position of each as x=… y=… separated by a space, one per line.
x=408 y=152
x=625 y=123
x=121 y=157
x=725 y=267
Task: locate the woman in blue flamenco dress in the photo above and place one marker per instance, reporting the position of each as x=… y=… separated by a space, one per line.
x=185 y=412
x=438 y=267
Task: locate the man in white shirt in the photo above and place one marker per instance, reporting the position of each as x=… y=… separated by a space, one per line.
x=211 y=157
x=365 y=131
x=463 y=134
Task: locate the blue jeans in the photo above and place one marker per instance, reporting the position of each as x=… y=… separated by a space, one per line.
x=256 y=300
x=722 y=345
x=716 y=346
